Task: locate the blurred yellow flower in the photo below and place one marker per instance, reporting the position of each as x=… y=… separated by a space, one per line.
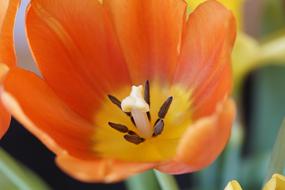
x=249 y=54
x=233 y=185
x=277 y=182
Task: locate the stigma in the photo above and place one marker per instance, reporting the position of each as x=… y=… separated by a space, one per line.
x=137 y=107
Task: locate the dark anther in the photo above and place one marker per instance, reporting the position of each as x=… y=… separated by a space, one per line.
x=119 y=127
x=147 y=96
x=148 y=115
x=134 y=139
x=146 y=92
x=133 y=121
x=158 y=128
x=156 y=122
x=132 y=133
x=115 y=100
x=164 y=108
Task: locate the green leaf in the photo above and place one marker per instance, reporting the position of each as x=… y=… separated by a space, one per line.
x=14 y=176
x=267 y=108
x=277 y=161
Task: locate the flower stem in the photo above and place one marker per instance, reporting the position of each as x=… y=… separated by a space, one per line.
x=166 y=182
x=146 y=180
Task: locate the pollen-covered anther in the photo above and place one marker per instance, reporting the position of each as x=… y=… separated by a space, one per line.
x=119 y=127
x=164 y=108
x=158 y=128
x=147 y=97
x=115 y=100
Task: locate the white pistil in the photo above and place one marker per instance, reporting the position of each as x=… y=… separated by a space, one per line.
x=138 y=107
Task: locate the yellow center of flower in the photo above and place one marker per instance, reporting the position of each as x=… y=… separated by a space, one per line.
x=145 y=124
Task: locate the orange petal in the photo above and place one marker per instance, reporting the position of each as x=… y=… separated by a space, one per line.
x=8 y=9
x=204 y=63
x=4 y=120
x=5 y=117
x=101 y=170
x=77 y=52
x=149 y=33
x=203 y=141
x=34 y=104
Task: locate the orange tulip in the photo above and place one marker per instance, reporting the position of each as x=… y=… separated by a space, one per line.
x=8 y=9
x=178 y=115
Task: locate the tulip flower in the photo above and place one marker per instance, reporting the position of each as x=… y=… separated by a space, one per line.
x=127 y=85
x=277 y=182
x=8 y=9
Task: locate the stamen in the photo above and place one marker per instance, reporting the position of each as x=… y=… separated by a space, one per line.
x=164 y=108
x=132 y=133
x=133 y=121
x=158 y=128
x=115 y=100
x=134 y=139
x=119 y=127
x=146 y=93
x=147 y=97
x=148 y=116
x=131 y=117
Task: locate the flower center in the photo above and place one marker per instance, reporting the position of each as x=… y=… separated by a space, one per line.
x=137 y=107
x=118 y=136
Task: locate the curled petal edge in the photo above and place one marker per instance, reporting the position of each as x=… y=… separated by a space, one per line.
x=100 y=170
x=199 y=146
